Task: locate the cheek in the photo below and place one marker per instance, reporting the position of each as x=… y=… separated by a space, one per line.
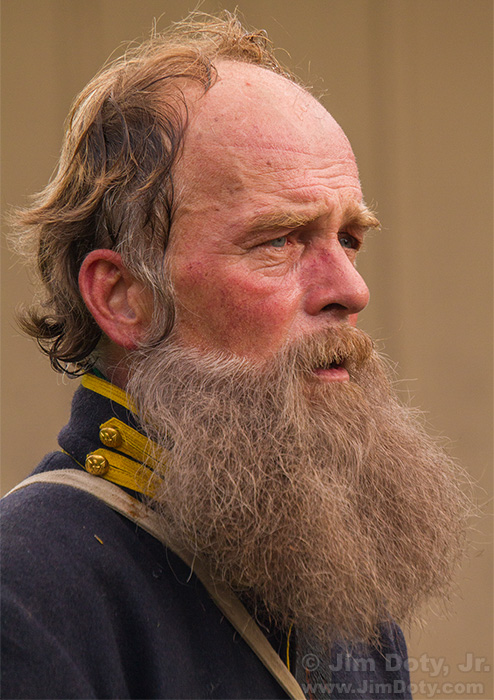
x=236 y=311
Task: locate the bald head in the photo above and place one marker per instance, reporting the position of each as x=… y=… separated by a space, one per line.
x=243 y=90
x=254 y=115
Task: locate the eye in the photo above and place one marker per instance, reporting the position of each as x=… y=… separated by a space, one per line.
x=348 y=241
x=278 y=242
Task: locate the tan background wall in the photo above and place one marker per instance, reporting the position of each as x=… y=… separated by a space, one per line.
x=411 y=82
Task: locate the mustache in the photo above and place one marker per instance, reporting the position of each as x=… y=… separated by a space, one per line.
x=343 y=345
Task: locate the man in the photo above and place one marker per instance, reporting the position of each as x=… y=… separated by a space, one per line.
x=197 y=252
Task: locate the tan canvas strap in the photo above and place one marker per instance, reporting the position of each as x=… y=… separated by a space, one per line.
x=147 y=519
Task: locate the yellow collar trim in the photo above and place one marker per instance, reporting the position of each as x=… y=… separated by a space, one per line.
x=120 y=470
x=110 y=391
x=131 y=459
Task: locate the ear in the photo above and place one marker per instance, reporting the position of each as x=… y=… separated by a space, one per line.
x=121 y=305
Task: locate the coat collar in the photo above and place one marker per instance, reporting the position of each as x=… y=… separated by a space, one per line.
x=123 y=455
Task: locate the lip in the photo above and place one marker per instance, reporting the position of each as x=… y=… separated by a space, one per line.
x=334 y=374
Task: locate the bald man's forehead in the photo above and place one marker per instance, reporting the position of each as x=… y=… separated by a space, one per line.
x=253 y=114
x=250 y=102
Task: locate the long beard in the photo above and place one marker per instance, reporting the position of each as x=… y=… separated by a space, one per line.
x=327 y=503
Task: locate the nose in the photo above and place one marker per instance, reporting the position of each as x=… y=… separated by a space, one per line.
x=334 y=286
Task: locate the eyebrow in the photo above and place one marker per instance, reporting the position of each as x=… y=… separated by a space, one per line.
x=358 y=215
x=279 y=220
x=361 y=216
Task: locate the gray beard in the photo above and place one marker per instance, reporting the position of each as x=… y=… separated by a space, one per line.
x=327 y=503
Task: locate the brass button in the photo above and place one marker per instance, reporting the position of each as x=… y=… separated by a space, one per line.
x=111 y=437
x=97 y=465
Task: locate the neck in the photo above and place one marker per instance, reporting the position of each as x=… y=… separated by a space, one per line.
x=113 y=363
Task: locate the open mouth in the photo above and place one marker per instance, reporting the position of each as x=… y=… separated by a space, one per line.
x=331 y=365
x=332 y=371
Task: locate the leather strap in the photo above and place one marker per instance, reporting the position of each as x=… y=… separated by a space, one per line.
x=148 y=520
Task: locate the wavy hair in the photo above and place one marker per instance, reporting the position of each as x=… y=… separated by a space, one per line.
x=114 y=183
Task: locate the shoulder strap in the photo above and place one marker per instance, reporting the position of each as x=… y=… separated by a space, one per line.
x=147 y=519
